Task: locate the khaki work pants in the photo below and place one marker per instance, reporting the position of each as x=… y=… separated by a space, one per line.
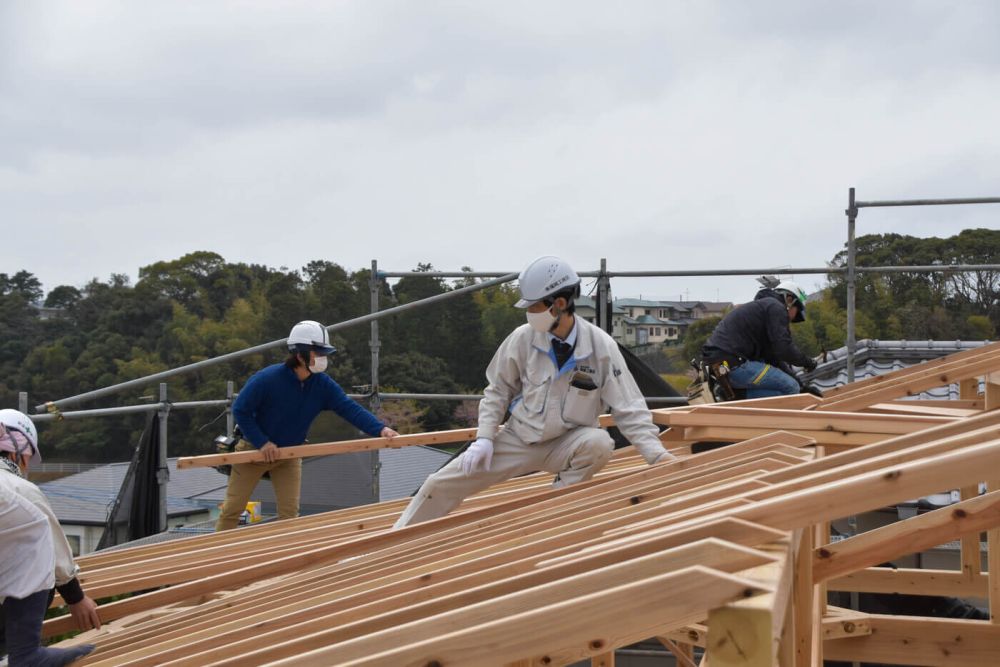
x=286 y=477
x=575 y=457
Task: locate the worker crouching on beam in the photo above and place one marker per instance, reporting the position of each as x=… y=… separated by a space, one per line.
x=554 y=375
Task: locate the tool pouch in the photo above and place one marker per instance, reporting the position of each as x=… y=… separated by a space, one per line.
x=582 y=403
x=720 y=373
x=699 y=392
x=225 y=445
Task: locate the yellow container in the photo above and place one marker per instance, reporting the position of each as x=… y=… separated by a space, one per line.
x=253 y=511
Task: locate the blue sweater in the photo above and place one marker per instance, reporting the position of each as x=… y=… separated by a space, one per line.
x=275 y=405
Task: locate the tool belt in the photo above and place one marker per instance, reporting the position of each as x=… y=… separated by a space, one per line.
x=227 y=445
x=719 y=370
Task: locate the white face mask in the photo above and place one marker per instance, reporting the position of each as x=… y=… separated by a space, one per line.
x=542 y=321
x=319 y=364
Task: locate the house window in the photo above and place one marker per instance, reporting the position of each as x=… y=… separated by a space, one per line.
x=74 y=544
x=649 y=311
x=656 y=332
x=628 y=331
x=671 y=332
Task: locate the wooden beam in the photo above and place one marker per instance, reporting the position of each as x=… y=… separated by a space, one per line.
x=920 y=408
x=694 y=634
x=737 y=433
x=842 y=626
x=747 y=633
x=968 y=389
x=909 y=640
x=802 y=610
x=562 y=631
x=993 y=560
x=327 y=448
x=603 y=660
x=871 y=490
x=921 y=380
x=322 y=625
x=683 y=655
x=992 y=394
x=904 y=374
x=970 y=550
x=908 y=581
x=913 y=535
x=799 y=420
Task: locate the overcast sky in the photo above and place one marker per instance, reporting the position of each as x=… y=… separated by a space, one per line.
x=660 y=135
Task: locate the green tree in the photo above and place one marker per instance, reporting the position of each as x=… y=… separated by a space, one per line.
x=696 y=335
x=63 y=296
x=418 y=373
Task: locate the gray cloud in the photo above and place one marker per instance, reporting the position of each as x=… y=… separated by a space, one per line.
x=659 y=135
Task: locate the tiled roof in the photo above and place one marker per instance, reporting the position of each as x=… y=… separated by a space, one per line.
x=590 y=302
x=878 y=357
x=648 y=303
x=86 y=497
x=644 y=320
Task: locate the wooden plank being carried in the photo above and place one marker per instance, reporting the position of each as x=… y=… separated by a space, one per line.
x=327 y=448
x=345 y=446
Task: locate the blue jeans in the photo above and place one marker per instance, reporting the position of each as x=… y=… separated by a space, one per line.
x=762 y=380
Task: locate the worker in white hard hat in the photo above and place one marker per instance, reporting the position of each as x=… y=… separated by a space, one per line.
x=34 y=554
x=275 y=409
x=554 y=375
x=754 y=342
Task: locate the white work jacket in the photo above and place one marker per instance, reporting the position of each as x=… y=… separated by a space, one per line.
x=546 y=402
x=48 y=558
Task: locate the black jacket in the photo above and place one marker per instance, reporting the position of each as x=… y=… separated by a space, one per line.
x=756 y=331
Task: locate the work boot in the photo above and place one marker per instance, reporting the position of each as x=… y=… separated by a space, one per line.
x=24 y=635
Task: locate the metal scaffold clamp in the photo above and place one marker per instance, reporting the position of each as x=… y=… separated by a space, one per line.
x=52 y=409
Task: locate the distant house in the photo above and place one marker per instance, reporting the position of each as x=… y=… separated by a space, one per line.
x=637 y=322
x=586 y=307
x=702 y=309
x=82 y=501
x=49 y=312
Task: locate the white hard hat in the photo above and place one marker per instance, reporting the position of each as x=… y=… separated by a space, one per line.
x=310 y=335
x=15 y=420
x=792 y=289
x=544 y=277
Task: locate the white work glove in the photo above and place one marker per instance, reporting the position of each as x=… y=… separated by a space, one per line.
x=479 y=454
x=664 y=457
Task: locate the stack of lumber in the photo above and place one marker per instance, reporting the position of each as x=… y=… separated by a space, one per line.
x=728 y=550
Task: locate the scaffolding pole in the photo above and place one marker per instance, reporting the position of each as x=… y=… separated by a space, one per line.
x=56 y=406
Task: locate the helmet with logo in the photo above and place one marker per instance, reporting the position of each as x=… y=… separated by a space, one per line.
x=546 y=277
x=309 y=335
x=18 y=434
x=786 y=288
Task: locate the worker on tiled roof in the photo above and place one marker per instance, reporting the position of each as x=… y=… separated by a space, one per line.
x=275 y=409
x=34 y=555
x=752 y=346
x=554 y=375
